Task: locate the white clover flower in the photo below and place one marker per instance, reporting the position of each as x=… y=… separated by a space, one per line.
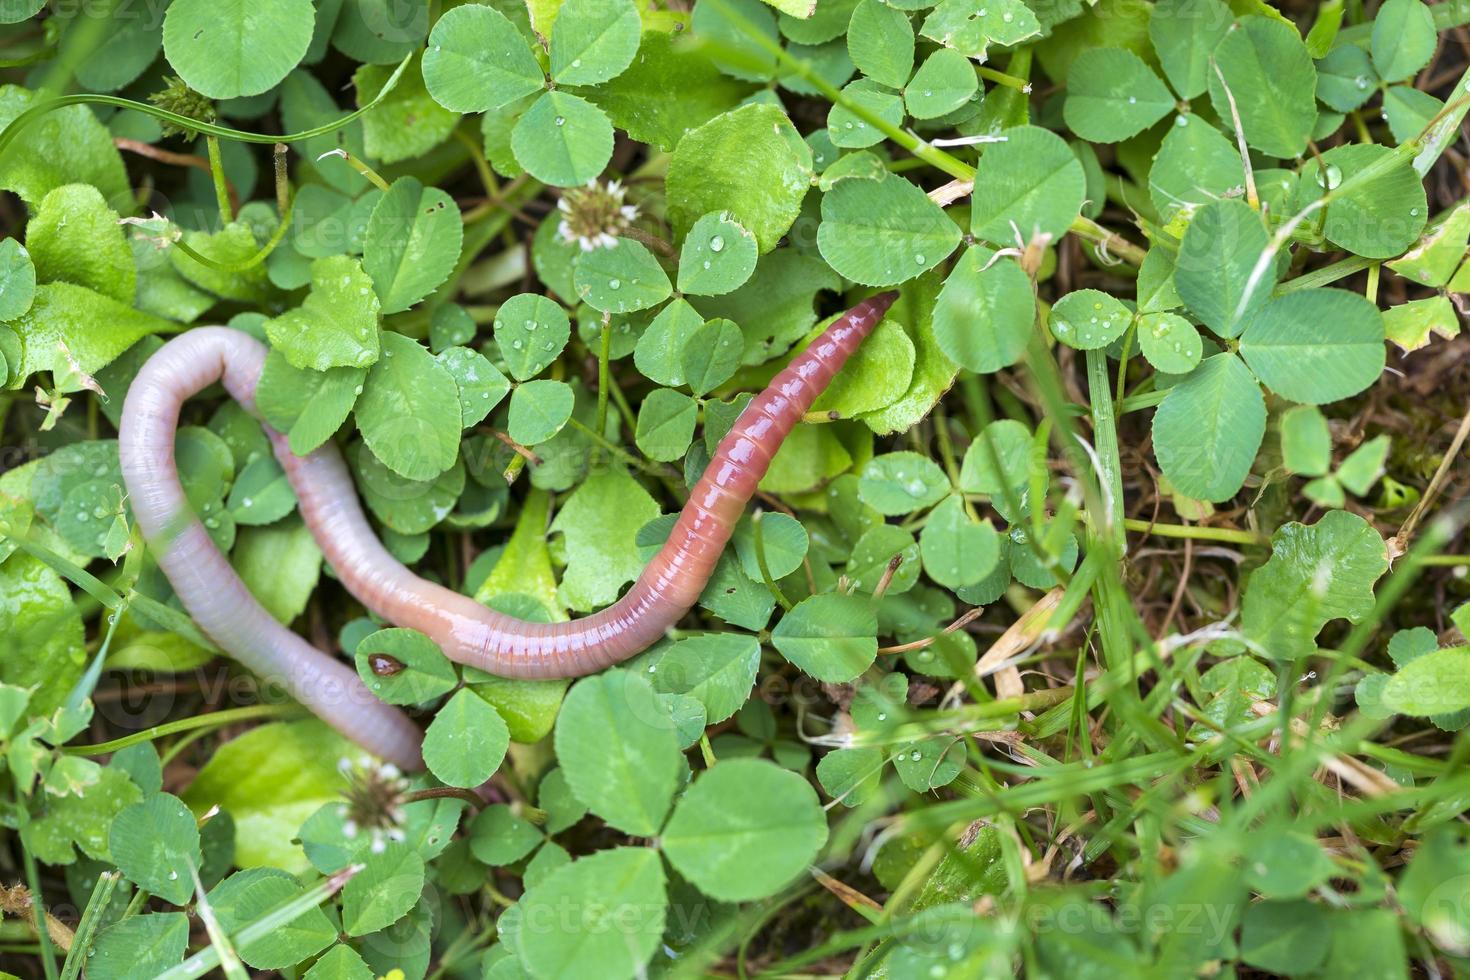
x=595 y=216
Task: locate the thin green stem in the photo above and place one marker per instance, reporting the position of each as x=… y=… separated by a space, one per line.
x=215 y=719
x=482 y=166
x=1001 y=78
x=650 y=468
x=801 y=67
x=374 y=178
x=765 y=570
x=445 y=793
x=67 y=569
x=1147 y=399
x=1111 y=242
x=29 y=116
x=604 y=373
x=276 y=238
x=221 y=186
x=1443 y=561
x=38 y=911
x=1105 y=439
x=1223 y=534
x=1326 y=275
x=283 y=180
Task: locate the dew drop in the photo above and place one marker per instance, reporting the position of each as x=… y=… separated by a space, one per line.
x=1330 y=177
x=615 y=284
x=1133 y=100
x=560 y=121
x=576 y=62
x=916 y=755
x=517 y=344
x=1007 y=16
x=716 y=243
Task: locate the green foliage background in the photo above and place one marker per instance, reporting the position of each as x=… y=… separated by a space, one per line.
x=1104 y=617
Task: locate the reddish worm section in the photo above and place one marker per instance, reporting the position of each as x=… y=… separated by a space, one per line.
x=467 y=631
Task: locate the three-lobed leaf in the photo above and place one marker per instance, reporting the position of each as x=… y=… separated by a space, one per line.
x=750 y=162
x=466 y=740
x=622 y=278
x=1265 y=77
x=744 y=830
x=593 y=40
x=412 y=243
x=718 y=256
x=1316 y=573
x=883 y=232
x=531 y=331
x=1113 y=94
x=409 y=412
x=832 y=637
x=563 y=139
x=337 y=324
x=478 y=60
x=215 y=46
x=1028 y=185
x=1208 y=428
x=615 y=742
x=1315 y=345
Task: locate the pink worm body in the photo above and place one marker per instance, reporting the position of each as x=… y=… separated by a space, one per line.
x=468 y=632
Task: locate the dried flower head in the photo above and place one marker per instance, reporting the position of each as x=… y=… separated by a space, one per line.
x=374 y=806
x=595 y=216
x=180 y=98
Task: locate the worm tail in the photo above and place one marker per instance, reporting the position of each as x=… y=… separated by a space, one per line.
x=203 y=579
x=671 y=583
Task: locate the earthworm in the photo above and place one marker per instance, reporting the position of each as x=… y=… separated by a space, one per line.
x=466 y=631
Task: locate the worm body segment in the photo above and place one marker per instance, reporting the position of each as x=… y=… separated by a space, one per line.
x=468 y=632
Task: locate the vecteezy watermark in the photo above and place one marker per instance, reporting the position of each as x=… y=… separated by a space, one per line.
x=1445 y=915
x=140 y=15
